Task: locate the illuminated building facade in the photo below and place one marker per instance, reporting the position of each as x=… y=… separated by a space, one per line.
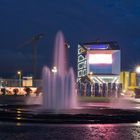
x=100 y=61
x=128 y=80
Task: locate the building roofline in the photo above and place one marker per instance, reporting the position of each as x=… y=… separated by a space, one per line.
x=113 y=44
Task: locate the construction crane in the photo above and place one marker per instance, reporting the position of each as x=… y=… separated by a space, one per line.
x=33 y=41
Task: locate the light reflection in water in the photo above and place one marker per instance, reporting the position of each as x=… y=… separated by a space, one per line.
x=74 y=132
x=18 y=124
x=18 y=118
x=18 y=113
x=109 y=131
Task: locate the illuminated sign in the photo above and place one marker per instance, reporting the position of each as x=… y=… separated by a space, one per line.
x=100 y=59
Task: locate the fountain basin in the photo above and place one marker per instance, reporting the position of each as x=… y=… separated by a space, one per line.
x=85 y=115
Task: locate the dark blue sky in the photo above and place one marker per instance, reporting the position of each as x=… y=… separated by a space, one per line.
x=80 y=21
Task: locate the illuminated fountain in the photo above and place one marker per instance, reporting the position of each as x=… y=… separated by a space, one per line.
x=59 y=99
x=59 y=83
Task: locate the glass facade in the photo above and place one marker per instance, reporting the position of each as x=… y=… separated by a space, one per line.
x=99 y=58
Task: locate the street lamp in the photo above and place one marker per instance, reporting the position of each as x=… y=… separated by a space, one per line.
x=19 y=76
x=138 y=69
x=54 y=69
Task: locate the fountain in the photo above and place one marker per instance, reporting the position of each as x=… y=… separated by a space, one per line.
x=59 y=84
x=61 y=110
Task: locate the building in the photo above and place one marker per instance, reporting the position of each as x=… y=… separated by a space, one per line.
x=100 y=61
x=128 y=80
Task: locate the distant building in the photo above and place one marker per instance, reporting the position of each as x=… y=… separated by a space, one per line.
x=27 y=81
x=100 y=61
x=128 y=80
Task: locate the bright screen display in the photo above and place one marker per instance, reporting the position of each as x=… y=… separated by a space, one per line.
x=100 y=58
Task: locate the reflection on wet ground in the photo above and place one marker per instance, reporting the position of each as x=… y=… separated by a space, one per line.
x=70 y=132
x=88 y=121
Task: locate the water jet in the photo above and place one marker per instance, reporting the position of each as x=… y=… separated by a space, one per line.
x=59 y=90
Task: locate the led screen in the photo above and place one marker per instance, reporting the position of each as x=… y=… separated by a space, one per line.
x=100 y=59
x=99 y=47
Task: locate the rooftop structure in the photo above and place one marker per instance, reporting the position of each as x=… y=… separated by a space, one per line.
x=99 y=60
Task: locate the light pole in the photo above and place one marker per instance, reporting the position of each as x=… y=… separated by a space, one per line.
x=19 y=76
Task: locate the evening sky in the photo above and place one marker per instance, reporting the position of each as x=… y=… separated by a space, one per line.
x=80 y=21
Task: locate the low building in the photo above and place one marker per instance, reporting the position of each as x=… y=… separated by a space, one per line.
x=99 y=62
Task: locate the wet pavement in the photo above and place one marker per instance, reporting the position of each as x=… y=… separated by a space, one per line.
x=70 y=132
x=116 y=120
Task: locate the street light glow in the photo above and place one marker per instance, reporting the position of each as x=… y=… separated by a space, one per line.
x=20 y=78
x=54 y=70
x=138 y=69
x=18 y=72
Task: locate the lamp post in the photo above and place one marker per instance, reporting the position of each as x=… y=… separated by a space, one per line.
x=19 y=76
